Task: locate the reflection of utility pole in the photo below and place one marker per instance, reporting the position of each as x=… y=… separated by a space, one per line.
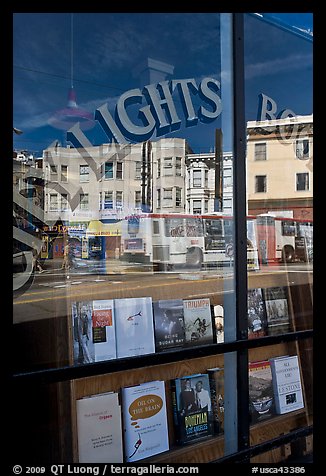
x=218 y=198
x=146 y=177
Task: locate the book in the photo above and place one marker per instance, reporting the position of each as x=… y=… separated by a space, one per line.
x=144 y=420
x=257 y=319
x=218 y=313
x=287 y=384
x=192 y=408
x=216 y=385
x=93 y=331
x=134 y=326
x=168 y=324
x=261 y=395
x=198 y=321
x=277 y=309
x=99 y=429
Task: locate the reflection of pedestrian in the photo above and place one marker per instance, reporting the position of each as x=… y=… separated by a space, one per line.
x=36 y=262
x=83 y=328
x=66 y=258
x=187 y=398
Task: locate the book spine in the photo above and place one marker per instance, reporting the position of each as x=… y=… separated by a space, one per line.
x=176 y=422
x=214 y=397
x=275 y=388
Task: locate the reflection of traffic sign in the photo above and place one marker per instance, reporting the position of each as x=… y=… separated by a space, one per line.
x=229 y=251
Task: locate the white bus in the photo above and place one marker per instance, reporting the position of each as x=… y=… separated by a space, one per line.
x=175 y=240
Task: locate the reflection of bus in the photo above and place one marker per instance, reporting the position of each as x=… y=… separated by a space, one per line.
x=172 y=240
x=282 y=239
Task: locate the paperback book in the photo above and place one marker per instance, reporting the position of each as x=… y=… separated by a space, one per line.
x=99 y=429
x=168 y=324
x=192 y=408
x=257 y=320
x=287 y=384
x=198 y=321
x=216 y=384
x=93 y=331
x=261 y=395
x=134 y=326
x=144 y=420
x=277 y=309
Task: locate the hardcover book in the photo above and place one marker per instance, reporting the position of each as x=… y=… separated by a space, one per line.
x=134 y=326
x=257 y=320
x=192 y=408
x=216 y=384
x=198 y=321
x=93 y=331
x=169 y=324
x=261 y=395
x=99 y=429
x=277 y=309
x=144 y=420
x=287 y=384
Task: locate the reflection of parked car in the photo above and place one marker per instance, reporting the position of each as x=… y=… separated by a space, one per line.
x=22 y=269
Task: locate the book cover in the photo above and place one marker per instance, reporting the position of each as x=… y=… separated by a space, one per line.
x=287 y=384
x=198 y=321
x=144 y=420
x=216 y=384
x=134 y=326
x=192 y=408
x=99 y=429
x=168 y=324
x=257 y=319
x=93 y=331
x=261 y=395
x=277 y=309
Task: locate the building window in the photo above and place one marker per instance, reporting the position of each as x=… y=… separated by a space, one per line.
x=158 y=167
x=138 y=199
x=84 y=173
x=83 y=197
x=119 y=199
x=53 y=173
x=138 y=170
x=64 y=202
x=196 y=179
x=178 y=197
x=159 y=198
x=261 y=183
x=64 y=173
x=260 y=151
x=119 y=170
x=53 y=202
x=168 y=169
x=167 y=197
x=108 y=170
x=206 y=206
x=302 y=149
x=178 y=166
x=196 y=206
x=108 y=200
x=302 y=182
x=100 y=201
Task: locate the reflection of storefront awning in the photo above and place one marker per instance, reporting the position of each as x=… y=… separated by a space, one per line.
x=97 y=228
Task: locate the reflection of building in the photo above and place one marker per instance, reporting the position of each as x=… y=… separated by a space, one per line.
x=201 y=183
x=279 y=166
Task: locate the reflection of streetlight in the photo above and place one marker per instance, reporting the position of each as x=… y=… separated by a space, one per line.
x=17 y=131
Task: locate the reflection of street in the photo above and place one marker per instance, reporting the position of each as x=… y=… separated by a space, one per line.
x=53 y=291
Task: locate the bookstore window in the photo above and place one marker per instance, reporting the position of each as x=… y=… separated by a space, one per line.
x=181 y=301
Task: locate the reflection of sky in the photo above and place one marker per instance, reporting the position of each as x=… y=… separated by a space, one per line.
x=108 y=47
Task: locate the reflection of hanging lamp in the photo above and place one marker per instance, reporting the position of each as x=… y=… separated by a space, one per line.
x=67 y=117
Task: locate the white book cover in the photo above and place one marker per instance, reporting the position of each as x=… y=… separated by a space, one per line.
x=134 y=326
x=94 y=331
x=144 y=420
x=287 y=384
x=99 y=429
x=198 y=321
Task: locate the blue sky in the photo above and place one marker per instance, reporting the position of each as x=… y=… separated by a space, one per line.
x=107 y=49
